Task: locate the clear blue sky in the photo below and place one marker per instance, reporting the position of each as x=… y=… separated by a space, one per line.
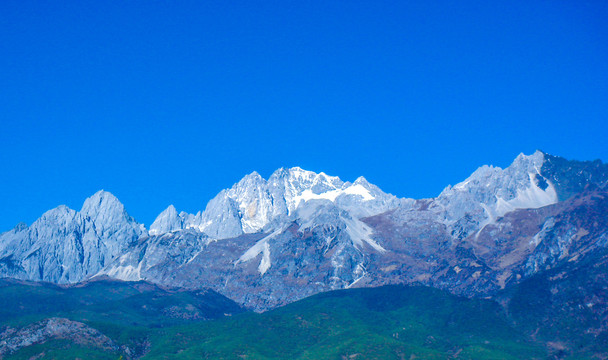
x=163 y=102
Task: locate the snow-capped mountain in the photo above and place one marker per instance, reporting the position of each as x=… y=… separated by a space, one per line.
x=255 y=204
x=260 y=219
x=268 y=242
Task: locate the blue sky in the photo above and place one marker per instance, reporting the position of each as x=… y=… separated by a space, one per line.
x=167 y=102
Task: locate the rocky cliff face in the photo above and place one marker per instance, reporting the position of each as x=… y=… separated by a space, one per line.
x=65 y=246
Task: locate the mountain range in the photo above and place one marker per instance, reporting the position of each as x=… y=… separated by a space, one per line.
x=265 y=243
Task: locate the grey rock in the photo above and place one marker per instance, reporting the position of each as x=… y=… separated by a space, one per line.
x=13 y=339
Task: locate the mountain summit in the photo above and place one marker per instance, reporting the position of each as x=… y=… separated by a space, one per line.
x=255 y=204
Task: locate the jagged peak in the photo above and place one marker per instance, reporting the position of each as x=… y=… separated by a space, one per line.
x=20 y=227
x=166 y=221
x=362 y=181
x=183 y=214
x=103 y=207
x=480 y=172
x=253 y=177
x=170 y=210
x=501 y=190
x=278 y=173
x=60 y=214
x=311 y=178
x=100 y=200
x=299 y=173
x=536 y=159
x=522 y=163
x=100 y=194
x=323 y=177
x=59 y=210
x=297 y=179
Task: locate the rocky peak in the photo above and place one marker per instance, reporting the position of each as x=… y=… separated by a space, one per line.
x=362 y=181
x=493 y=186
x=103 y=206
x=254 y=177
x=491 y=192
x=108 y=215
x=20 y=227
x=57 y=217
x=570 y=177
x=310 y=179
x=167 y=221
x=294 y=181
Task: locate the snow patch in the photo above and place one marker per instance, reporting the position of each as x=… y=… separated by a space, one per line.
x=360 y=233
x=532 y=197
x=461 y=185
x=263 y=247
x=359 y=190
x=547 y=226
x=332 y=195
x=128 y=273
x=265 y=262
x=359 y=270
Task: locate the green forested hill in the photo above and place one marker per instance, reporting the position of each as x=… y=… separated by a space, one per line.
x=144 y=321
x=392 y=322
